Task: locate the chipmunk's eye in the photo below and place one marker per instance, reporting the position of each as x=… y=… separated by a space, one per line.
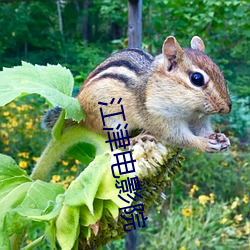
x=197 y=79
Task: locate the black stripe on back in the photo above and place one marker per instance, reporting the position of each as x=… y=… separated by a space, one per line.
x=118 y=63
x=142 y=53
x=118 y=77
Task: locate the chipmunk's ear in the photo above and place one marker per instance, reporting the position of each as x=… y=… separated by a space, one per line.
x=197 y=43
x=171 y=49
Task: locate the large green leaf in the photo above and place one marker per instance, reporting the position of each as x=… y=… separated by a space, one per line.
x=86 y=218
x=22 y=199
x=67 y=226
x=83 y=189
x=83 y=152
x=9 y=168
x=53 y=82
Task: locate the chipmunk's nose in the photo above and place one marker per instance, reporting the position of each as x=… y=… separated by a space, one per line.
x=227 y=108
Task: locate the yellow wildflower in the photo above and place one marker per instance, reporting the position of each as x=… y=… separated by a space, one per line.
x=29 y=124
x=197 y=242
x=247 y=227
x=55 y=178
x=235 y=203
x=223 y=220
x=234 y=152
x=65 y=163
x=70 y=178
x=24 y=154
x=183 y=248
x=238 y=218
x=245 y=199
x=77 y=162
x=12 y=105
x=6 y=113
x=193 y=190
x=6 y=141
x=73 y=168
x=14 y=123
x=4 y=134
x=65 y=185
x=23 y=164
x=224 y=164
x=187 y=211
x=203 y=199
x=238 y=233
x=211 y=195
x=35 y=159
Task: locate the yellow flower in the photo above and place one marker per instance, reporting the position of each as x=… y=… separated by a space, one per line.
x=23 y=164
x=70 y=178
x=211 y=195
x=238 y=218
x=14 y=123
x=223 y=235
x=24 y=154
x=247 y=227
x=203 y=199
x=29 y=124
x=6 y=113
x=55 y=178
x=4 y=134
x=223 y=220
x=187 y=211
x=238 y=233
x=65 y=163
x=12 y=105
x=77 y=162
x=245 y=199
x=182 y=248
x=73 y=168
x=35 y=159
x=234 y=152
x=235 y=203
x=225 y=164
x=193 y=190
x=197 y=242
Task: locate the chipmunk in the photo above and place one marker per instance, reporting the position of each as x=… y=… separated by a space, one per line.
x=170 y=96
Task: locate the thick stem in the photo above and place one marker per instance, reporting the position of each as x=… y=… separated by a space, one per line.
x=57 y=147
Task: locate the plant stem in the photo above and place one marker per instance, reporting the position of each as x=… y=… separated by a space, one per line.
x=57 y=147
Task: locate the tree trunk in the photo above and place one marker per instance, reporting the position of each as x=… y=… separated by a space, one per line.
x=59 y=16
x=135 y=23
x=85 y=20
x=131 y=239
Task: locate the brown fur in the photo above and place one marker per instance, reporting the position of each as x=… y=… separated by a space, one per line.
x=157 y=94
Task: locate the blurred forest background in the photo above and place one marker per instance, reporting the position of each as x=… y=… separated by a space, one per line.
x=208 y=204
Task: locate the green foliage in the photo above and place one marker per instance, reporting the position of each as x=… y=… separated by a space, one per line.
x=198 y=224
x=52 y=82
x=19 y=198
x=30 y=32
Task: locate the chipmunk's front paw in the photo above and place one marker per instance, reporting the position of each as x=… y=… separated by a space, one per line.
x=141 y=138
x=218 y=142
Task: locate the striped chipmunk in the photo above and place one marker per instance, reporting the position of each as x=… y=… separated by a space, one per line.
x=169 y=97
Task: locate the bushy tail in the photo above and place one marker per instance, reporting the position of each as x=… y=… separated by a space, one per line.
x=50 y=118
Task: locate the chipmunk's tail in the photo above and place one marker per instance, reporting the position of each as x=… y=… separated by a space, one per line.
x=50 y=117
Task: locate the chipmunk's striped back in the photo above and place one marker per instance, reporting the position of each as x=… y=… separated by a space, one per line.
x=124 y=66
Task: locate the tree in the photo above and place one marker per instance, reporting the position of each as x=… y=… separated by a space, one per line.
x=134 y=23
